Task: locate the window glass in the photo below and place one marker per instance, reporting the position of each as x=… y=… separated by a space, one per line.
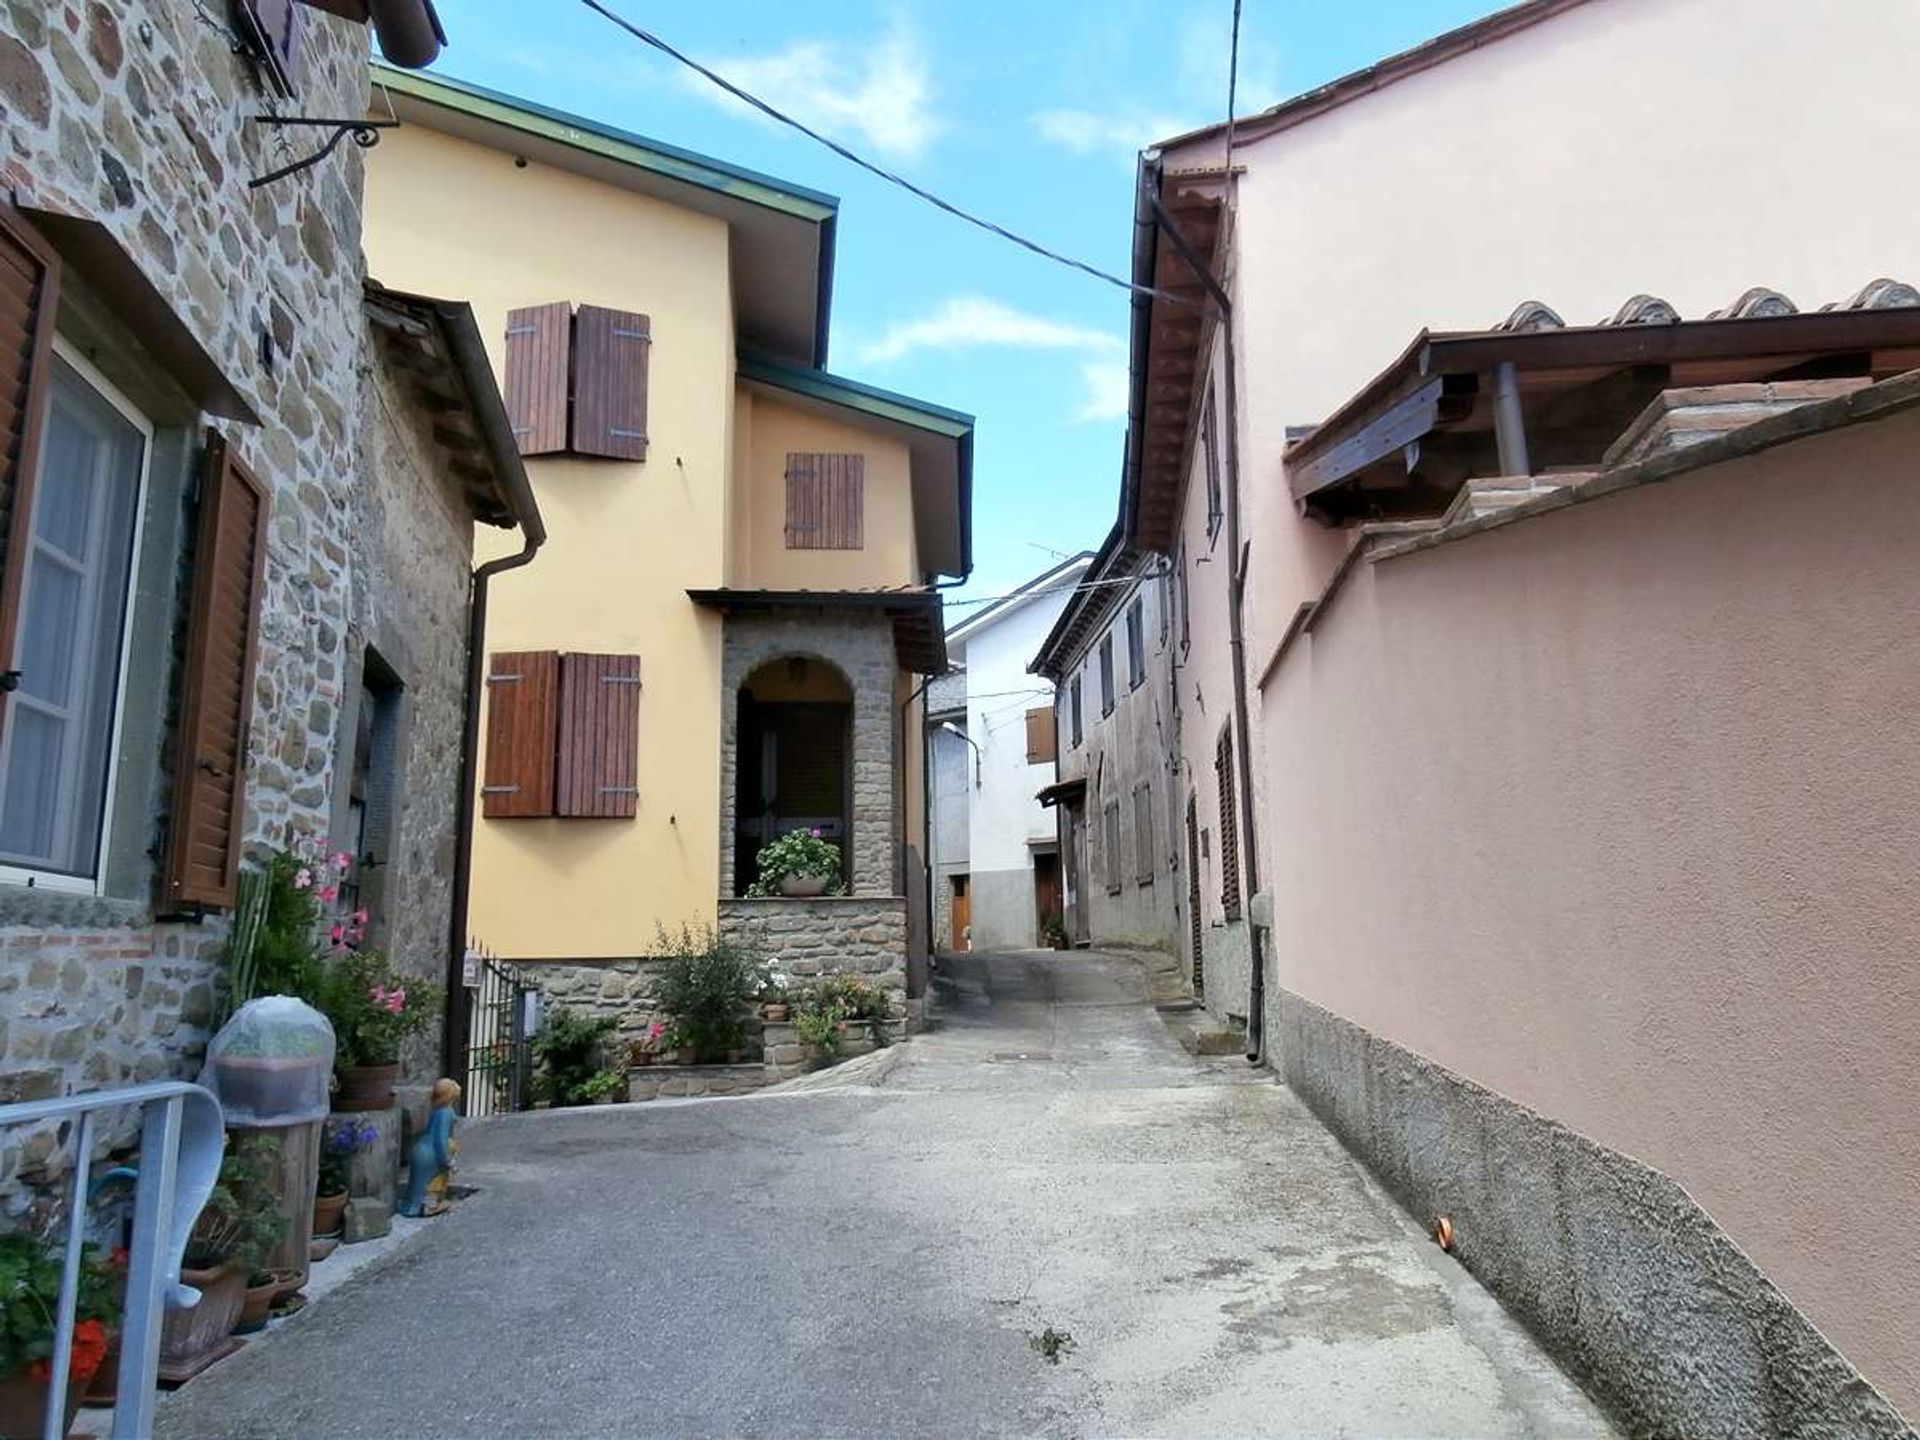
x=56 y=751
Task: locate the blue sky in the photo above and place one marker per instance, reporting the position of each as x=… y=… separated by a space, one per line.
x=1028 y=112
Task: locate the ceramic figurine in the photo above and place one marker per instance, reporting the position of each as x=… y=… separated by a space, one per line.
x=432 y=1155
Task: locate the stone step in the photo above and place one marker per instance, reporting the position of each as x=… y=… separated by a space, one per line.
x=1199 y=1033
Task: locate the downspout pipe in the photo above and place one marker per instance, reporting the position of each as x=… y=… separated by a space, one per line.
x=1236 y=606
x=469 y=353
x=926 y=822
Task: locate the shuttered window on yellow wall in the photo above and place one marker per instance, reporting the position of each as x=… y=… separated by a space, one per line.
x=826 y=496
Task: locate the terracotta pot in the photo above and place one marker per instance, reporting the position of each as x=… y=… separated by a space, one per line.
x=686 y=1055
x=802 y=887
x=366 y=1087
x=105 y=1384
x=329 y=1213
x=255 y=1308
x=23 y=1404
x=265 y=1085
x=321 y=1246
x=287 y=1282
x=188 y=1336
x=776 y=1013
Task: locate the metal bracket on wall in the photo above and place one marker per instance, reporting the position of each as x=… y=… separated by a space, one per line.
x=365 y=133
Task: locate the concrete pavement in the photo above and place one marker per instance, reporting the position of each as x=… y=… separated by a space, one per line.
x=870 y=1254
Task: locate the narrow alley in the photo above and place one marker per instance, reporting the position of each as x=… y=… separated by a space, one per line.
x=877 y=1250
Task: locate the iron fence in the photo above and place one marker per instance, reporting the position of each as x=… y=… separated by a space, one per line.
x=182 y=1136
x=502 y=1014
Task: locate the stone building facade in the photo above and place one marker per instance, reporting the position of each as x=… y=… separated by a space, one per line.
x=206 y=318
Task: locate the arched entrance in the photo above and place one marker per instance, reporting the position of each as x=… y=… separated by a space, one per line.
x=795 y=739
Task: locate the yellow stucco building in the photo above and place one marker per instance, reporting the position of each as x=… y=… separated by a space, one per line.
x=726 y=632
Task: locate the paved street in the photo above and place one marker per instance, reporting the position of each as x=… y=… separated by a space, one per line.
x=870 y=1257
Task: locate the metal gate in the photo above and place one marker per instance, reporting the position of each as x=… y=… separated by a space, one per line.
x=502 y=1014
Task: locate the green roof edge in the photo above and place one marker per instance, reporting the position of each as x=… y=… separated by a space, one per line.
x=622 y=146
x=868 y=399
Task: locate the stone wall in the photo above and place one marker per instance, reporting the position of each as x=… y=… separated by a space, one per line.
x=860 y=647
x=828 y=935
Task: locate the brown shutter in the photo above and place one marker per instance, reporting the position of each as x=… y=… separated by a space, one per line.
x=1229 y=828
x=826 y=500
x=1040 y=735
x=539 y=345
x=610 y=383
x=205 y=836
x=523 y=689
x=599 y=735
x=29 y=292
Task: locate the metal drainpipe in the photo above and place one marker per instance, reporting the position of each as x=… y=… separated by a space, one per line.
x=1509 y=423
x=453 y=1039
x=926 y=809
x=1236 y=629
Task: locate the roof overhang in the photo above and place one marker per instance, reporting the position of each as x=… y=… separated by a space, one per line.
x=89 y=250
x=939 y=443
x=1092 y=602
x=1404 y=443
x=435 y=347
x=1049 y=582
x=919 y=641
x=782 y=235
x=1172 y=333
x=1063 y=792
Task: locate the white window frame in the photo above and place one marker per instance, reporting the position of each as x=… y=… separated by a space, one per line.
x=60 y=880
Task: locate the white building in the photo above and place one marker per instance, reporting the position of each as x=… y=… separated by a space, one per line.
x=998 y=876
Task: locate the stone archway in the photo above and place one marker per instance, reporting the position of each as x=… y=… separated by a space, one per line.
x=793 y=727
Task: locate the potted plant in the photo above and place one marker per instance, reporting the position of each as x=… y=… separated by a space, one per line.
x=800 y=863
x=776 y=999
x=266 y=1069
x=373 y=1011
x=708 y=984
x=339 y=1143
x=30 y=1273
x=818 y=1026
x=1053 y=932
x=643 y=1050
x=236 y=1230
x=571 y=1049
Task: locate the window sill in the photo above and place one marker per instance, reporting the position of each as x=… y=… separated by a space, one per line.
x=65 y=910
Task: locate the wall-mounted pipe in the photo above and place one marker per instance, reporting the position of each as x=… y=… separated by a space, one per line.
x=1509 y=424
x=409 y=30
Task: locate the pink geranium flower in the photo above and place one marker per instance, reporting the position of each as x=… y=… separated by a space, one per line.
x=360 y=916
x=332 y=892
x=302 y=878
x=338 y=935
x=342 y=861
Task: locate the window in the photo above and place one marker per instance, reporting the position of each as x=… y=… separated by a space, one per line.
x=1229 y=827
x=1143 y=834
x=1110 y=839
x=1073 y=708
x=373 y=790
x=1183 y=599
x=825 y=499
x=562 y=736
x=577 y=383
x=1136 y=643
x=1106 y=673
x=1040 y=736
x=75 y=547
x=1210 y=445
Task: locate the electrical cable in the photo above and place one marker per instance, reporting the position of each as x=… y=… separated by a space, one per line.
x=647 y=37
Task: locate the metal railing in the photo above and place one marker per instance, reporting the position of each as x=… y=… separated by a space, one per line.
x=502 y=1014
x=182 y=1135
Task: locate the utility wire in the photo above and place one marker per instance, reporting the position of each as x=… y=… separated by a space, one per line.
x=647 y=37
x=1066 y=589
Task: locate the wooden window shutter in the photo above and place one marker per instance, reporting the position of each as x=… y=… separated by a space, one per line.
x=1229 y=828
x=610 y=383
x=539 y=356
x=1040 y=736
x=216 y=691
x=523 y=706
x=1143 y=834
x=599 y=735
x=826 y=498
x=29 y=294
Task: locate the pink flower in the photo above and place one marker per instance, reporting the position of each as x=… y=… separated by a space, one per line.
x=397 y=1000
x=815 y=832
x=302 y=878
x=343 y=861
x=360 y=916
x=332 y=892
x=339 y=936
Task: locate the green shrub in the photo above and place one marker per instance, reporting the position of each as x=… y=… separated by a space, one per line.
x=572 y=1051
x=707 y=984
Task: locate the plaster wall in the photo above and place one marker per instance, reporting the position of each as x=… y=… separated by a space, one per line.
x=1611 y=811
x=626 y=539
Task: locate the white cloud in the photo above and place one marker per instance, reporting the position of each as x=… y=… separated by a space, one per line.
x=1106 y=382
x=1086 y=132
x=973 y=320
x=879 y=92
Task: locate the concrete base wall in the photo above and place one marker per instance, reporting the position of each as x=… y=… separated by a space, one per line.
x=1227 y=966
x=1615 y=1267
x=1003 y=910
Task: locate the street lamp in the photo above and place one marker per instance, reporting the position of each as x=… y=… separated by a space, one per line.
x=953 y=729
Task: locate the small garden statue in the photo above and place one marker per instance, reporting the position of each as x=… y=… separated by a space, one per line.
x=432 y=1157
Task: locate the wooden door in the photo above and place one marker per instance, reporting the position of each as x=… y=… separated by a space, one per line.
x=1193 y=899
x=1046 y=891
x=962 y=913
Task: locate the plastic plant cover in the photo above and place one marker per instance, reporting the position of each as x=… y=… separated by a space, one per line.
x=272 y=1063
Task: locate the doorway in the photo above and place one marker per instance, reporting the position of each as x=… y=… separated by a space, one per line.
x=962 y=914
x=794 y=742
x=1193 y=900
x=1074 y=874
x=1046 y=894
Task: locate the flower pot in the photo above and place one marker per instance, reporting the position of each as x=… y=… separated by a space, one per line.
x=321 y=1246
x=366 y=1087
x=256 y=1307
x=192 y=1339
x=287 y=1283
x=686 y=1055
x=267 y=1088
x=803 y=886
x=23 y=1404
x=775 y=1013
x=329 y=1213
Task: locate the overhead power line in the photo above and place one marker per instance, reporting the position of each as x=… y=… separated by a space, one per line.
x=647 y=37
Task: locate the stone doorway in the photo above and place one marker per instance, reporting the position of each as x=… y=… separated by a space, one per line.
x=794 y=723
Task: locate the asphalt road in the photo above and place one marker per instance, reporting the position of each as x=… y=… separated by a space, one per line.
x=874 y=1254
